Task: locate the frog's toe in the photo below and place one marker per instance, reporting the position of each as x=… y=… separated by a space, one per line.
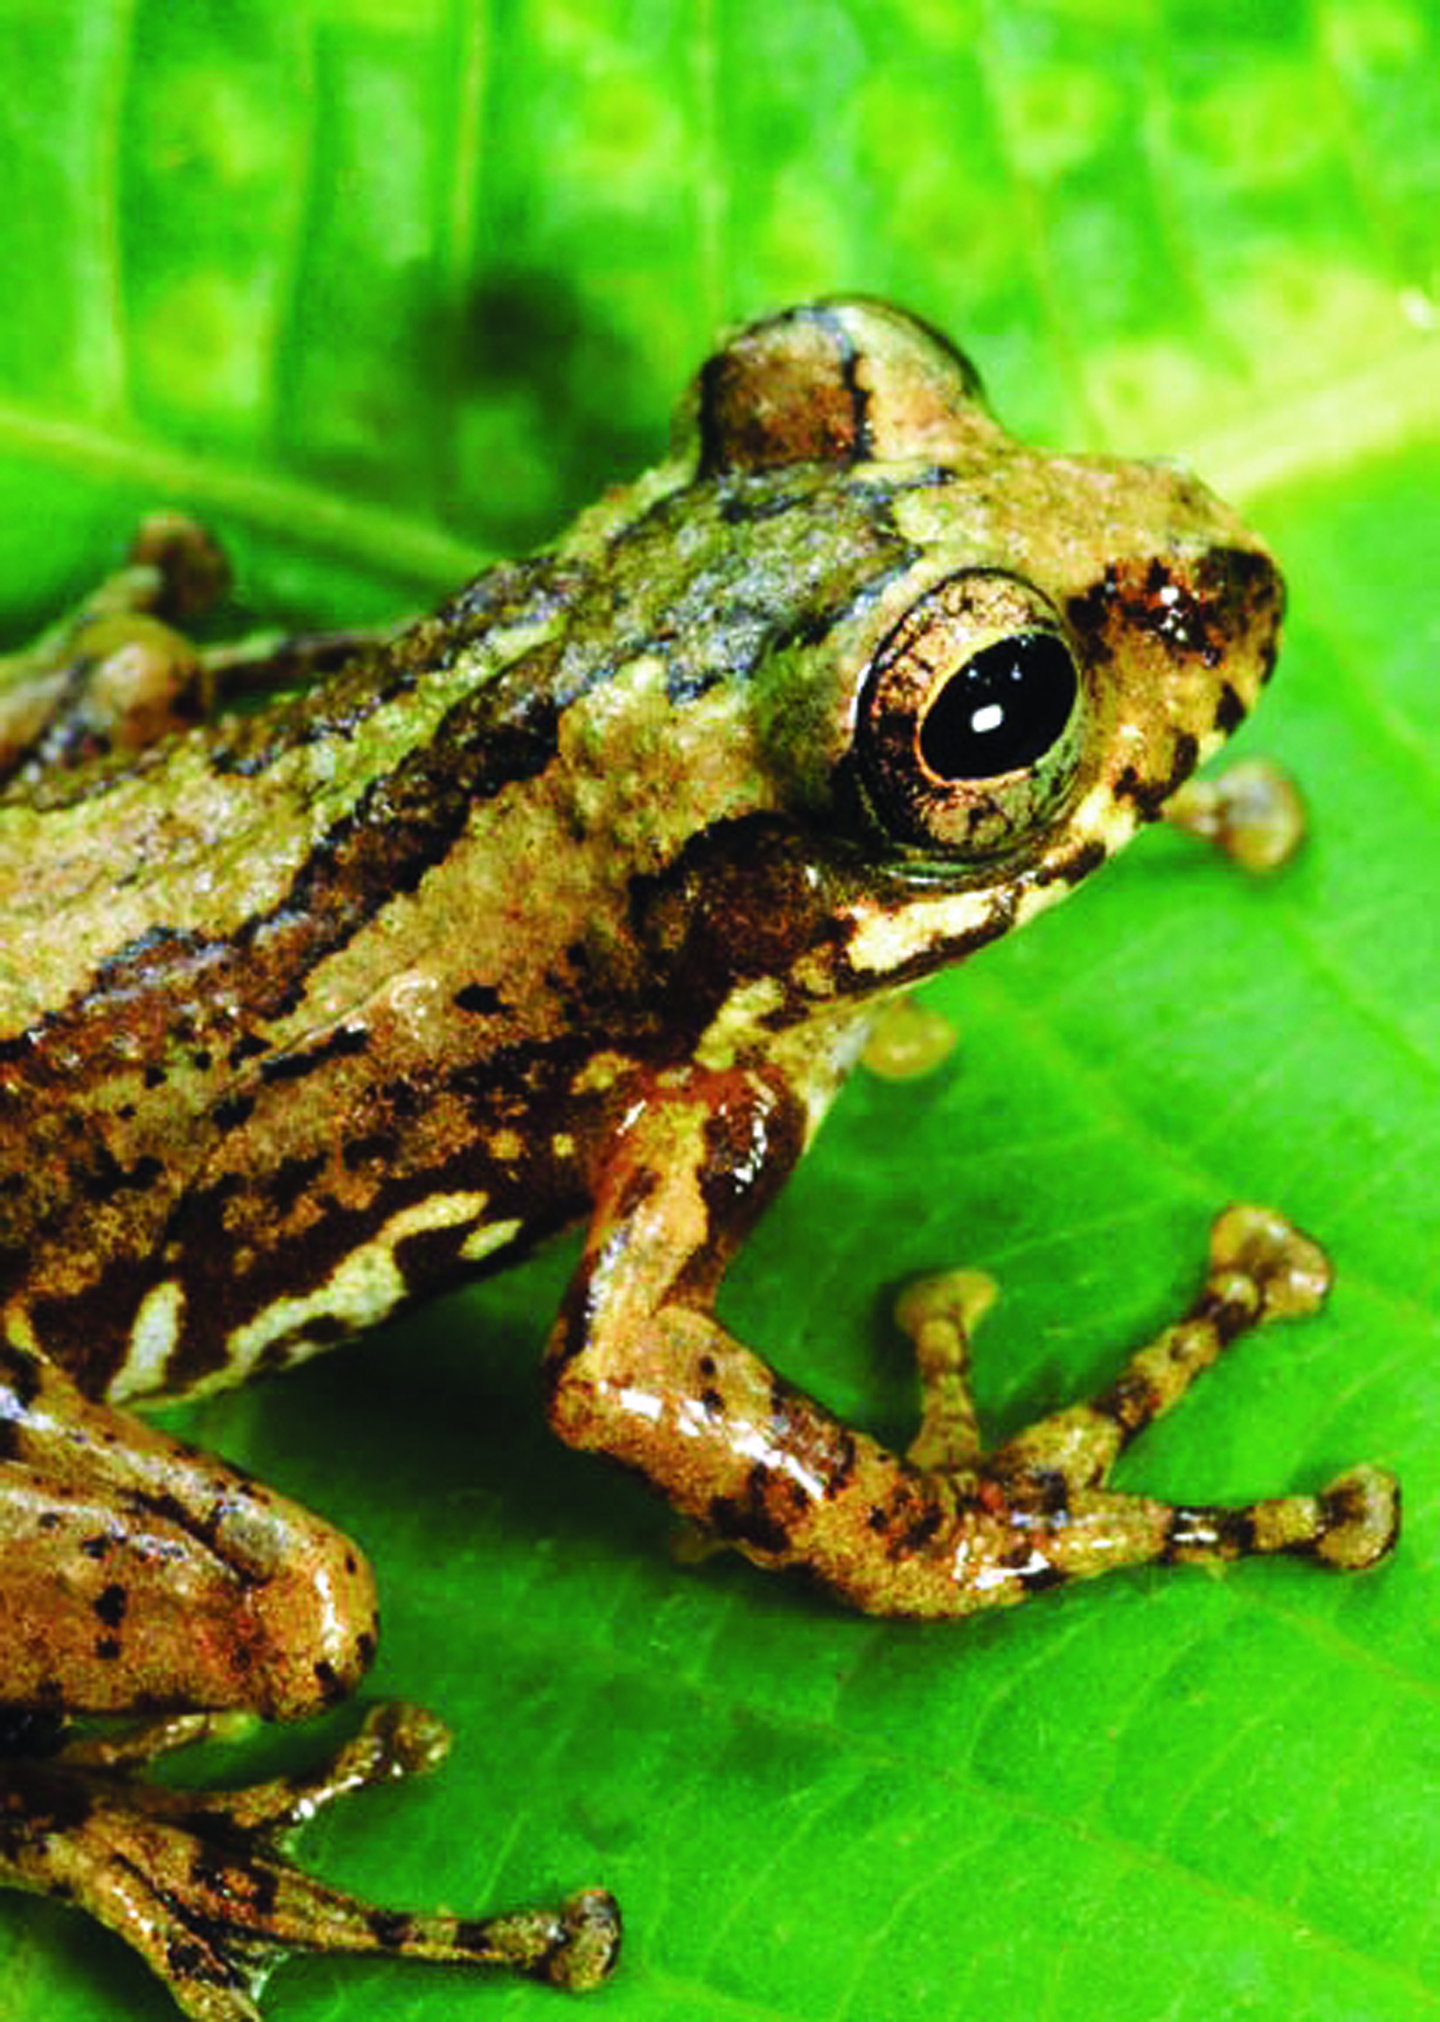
x=1361 y=1519
x=940 y=1314
x=1263 y=1268
x=586 y=1942
x=192 y=570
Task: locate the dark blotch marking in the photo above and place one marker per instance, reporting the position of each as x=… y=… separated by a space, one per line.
x=209 y=1870
x=740 y=900
x=744 y=505
x=747 y=1519
x=321 y=1330
x=186 y=1960
x=1228 y=1533
x=233 y=1110
x=843 y=1466
x=292 y=1179
x=105 y=1177
x=473 y=1934
x=331 y=1689
x=1071 y=869
x=481 y=998
x=200 y=1959
x=431 y=1257
x=110 y=1605
x=383 y=1146
x=1131 y=1403
x=1229 y=1317
x=389 y=1928
x=1230 y=711
x=1051 y=1490
x=1187 y=756
x=1150 y=795
x=752 y=1144
x=344 y=1041
x=20 y=1374
x=918 y=1533
x=1346 y=1504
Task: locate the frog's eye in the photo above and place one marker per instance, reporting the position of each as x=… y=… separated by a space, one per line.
x=971 y=716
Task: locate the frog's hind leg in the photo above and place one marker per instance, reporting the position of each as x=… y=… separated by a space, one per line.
x=1260 y=1269
x=119 y=671
x=139 y=1577
x=200 y=1885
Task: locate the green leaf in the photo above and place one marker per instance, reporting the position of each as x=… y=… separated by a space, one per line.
x=385 y=289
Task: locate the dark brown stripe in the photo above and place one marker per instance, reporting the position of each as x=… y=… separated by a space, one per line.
x=403 y=824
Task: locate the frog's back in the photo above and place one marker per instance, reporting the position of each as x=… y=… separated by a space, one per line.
x=211 y=951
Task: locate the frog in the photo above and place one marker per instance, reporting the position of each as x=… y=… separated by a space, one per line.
x=339 y=969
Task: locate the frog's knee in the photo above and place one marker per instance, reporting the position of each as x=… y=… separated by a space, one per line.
x=307 y=1629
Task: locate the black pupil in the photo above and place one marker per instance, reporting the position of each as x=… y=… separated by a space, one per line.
x=1003 y=710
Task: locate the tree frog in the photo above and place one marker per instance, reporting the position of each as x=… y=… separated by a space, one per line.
x=575 y=901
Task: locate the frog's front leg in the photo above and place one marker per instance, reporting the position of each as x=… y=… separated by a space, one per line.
x=641 y=1369
x=138 y=1576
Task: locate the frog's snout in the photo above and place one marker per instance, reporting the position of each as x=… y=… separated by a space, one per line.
x=1242 y=595
x=1200 y=631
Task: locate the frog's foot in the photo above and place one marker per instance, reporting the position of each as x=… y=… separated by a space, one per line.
x=1252 y=812
x=119 y=671
x=200 y=1885
x=1261 y=1269
x=177 y=571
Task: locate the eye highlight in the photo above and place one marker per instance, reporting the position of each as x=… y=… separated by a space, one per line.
x=971 y=716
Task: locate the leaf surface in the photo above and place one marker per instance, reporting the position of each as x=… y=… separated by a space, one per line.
x=384 y=290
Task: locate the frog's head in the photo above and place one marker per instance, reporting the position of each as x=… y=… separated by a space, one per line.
x=1053 y=643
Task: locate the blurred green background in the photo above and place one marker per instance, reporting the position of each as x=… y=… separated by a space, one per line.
x=385 y=288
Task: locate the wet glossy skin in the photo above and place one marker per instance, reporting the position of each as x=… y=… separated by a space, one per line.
x=576 y=901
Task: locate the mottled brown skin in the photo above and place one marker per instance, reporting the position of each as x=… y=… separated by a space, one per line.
x=574 y=901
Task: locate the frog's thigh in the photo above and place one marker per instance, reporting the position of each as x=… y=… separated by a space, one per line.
x=137 y=1573
x=641 y=1369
